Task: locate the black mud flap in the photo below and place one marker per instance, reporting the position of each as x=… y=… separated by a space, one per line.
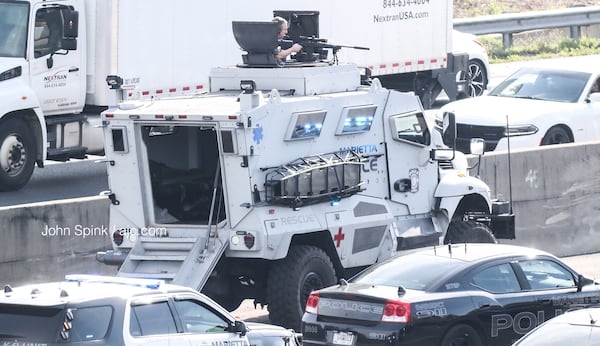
x=502 y=220
x=503 y=226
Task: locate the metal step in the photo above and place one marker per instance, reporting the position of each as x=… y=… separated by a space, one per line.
x=163 y=276
x=197 y=268
x=186 y=261
x=168 y=239
x=158 y=257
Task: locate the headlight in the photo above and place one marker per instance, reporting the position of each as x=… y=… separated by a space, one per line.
x=521 y=130
x=10 y=74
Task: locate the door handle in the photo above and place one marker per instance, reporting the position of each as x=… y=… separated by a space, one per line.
x=74 y=69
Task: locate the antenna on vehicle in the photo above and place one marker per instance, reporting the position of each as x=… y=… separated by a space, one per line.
x=592 y=320
x=510 y=197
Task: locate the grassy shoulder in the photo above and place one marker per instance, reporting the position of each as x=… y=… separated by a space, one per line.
x=559 y=47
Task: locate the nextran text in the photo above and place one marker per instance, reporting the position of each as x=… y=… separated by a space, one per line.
x=403 y=3
x=406 y=15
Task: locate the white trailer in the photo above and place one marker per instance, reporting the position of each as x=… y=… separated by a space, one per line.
x=280 y=181
x=55 y=56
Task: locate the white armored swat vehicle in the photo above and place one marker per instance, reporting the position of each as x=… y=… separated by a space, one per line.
x=283 y=180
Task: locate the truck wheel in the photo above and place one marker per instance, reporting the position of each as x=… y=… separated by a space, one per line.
x=468 y=232
x=461 y=334
x=305 y=269
x=17 y=154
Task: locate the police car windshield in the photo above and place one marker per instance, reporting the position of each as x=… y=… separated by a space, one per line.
x=29 y=323
x=411 y=272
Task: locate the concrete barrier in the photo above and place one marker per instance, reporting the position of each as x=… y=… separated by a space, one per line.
x=555 y=194
x=45 y=241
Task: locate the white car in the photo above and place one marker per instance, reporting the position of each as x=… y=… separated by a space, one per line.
x=102 y=310
x=535 y=106
x=479 y=66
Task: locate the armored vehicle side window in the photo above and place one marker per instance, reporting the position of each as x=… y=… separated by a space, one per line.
x=305 y=125
x=90 y=323
x=197 y=318
x=356 y=119
x=119 y=139
x=543 y=274
x=151 y=319
x=497 y=279
x=411 y=127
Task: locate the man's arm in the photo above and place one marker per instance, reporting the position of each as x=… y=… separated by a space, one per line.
x=282 y=54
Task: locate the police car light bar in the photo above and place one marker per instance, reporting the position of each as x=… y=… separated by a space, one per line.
x=148 y=283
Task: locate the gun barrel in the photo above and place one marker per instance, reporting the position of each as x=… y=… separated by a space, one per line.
x=357 y=47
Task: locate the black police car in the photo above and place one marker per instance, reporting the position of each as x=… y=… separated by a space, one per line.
x=468 y=294
x=101 y=310
x=579 y=327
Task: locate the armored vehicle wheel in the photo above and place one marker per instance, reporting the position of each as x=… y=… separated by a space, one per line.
x=305 y=269
x=17 y=154
x=461 y=335
x=468 y=232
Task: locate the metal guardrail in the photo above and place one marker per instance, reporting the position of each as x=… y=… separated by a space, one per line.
x=510 y=23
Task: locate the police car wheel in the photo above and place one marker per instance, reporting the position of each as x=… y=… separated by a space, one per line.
x=17 y=154
x=468 y=232
x=306 y=268
x=461 y=335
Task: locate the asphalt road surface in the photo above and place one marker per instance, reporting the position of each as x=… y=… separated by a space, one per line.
x=61 y=180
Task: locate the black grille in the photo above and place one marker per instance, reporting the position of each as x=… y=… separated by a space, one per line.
x=491 y=135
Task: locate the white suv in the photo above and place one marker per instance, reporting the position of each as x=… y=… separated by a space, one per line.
x=89 y=309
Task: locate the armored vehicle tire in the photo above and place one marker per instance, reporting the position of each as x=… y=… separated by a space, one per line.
x=461 y=334
x=305 y=269
x=17 y=154
x=468 y=232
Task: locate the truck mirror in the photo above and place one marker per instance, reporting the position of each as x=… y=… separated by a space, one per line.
x=449 y=129
x=69 y=44
x=477 y=146
x=70 y=24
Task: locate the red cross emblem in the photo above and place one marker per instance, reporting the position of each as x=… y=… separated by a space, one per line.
x=338 y=237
